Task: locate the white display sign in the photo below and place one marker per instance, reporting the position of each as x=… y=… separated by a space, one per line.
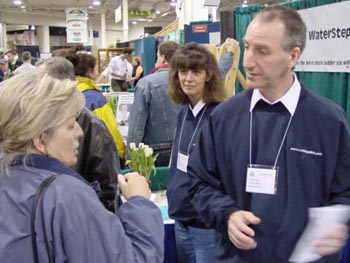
x=328 y=39
x=125 y=101
x=76 y=19
x=77 y=36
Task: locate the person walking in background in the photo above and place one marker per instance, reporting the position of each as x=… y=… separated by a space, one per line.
x=152 y=119
x=80 y=49
x=37 y=145
x=86 y=74
x=137 y=71
x=195 y=83
x=13 y=61
x=265 y=155
x=118 y=68
x=97 y=159
x=27 y=63
x=5 y=72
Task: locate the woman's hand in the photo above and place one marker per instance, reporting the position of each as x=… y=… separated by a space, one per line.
x=132 y=184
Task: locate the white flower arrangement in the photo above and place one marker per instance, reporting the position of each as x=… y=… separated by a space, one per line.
x=142 y=159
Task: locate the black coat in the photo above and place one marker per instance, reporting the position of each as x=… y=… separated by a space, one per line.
x=13 y=66
x=98 y=160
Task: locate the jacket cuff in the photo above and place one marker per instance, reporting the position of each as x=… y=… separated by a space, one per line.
x=228 y=212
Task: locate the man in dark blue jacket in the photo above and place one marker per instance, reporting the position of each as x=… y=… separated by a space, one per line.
x=271 y=152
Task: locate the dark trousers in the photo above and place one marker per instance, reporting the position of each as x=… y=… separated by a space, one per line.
x=119 y=85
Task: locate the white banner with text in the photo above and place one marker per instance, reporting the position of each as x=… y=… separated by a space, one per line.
x=328 y=38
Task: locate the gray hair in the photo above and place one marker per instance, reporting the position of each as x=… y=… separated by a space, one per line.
x=295 y=29
x=31 y=104
x=59 y=68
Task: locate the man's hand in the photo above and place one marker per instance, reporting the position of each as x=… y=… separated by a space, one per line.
x=231 y=45
x=332 y=242
x=239 y=232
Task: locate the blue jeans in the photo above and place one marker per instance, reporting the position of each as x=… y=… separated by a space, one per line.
x=197 y=245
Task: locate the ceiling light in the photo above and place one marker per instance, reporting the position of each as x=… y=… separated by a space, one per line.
x=245 y=3
x=134 y=22
x=96 y=2
x=172 y=3
x=17 y=2
x=157 y=11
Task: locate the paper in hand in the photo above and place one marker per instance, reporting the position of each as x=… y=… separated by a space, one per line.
x=321 y=221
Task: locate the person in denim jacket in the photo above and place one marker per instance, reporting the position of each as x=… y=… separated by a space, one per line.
x=153 y=115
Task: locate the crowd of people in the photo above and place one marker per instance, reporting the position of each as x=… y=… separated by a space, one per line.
x=11 y=65
x=244 y=170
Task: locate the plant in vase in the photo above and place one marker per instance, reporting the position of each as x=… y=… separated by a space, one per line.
x=142 y=160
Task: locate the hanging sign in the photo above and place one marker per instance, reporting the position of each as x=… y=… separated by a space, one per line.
x=76 y=19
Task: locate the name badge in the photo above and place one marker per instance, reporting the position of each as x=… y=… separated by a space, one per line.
x=261 y=179
x=182 y=161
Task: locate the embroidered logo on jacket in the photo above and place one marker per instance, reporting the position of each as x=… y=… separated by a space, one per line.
x=306 y=151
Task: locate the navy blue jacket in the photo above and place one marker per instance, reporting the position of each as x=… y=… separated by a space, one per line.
x=180 y=207
x=314 y=168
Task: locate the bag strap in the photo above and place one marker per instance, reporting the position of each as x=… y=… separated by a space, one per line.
x=39 y=198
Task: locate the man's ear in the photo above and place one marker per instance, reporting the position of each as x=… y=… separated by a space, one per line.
x=38 y=143
x=163 y=60
x=294 y=56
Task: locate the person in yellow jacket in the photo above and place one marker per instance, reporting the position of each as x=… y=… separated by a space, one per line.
x=94 y=100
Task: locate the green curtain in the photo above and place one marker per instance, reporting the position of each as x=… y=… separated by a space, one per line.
x=334 y=86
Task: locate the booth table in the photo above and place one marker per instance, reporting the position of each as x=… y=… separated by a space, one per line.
x=159 y=182
x=159 y=198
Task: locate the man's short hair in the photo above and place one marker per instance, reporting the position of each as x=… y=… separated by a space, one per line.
x=26 y=56
x=294 y=26
x=167 y=49
x=127 y=51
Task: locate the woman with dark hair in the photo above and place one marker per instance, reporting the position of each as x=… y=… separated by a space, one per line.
x=196 y=83
x=86 y=74
x=137 y=71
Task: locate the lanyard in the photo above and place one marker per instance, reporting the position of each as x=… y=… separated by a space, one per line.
x=250 y=139
x=194 y=133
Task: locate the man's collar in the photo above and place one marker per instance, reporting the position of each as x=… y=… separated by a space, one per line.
x=160 y=67
x=289 y=99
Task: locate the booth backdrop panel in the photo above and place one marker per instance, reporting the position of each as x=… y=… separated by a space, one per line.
x=201 y=37
x=146 y=49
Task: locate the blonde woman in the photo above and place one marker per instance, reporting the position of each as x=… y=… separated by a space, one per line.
x=39 y=138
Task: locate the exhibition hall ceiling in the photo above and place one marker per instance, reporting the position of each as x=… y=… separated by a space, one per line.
x=57 y=7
